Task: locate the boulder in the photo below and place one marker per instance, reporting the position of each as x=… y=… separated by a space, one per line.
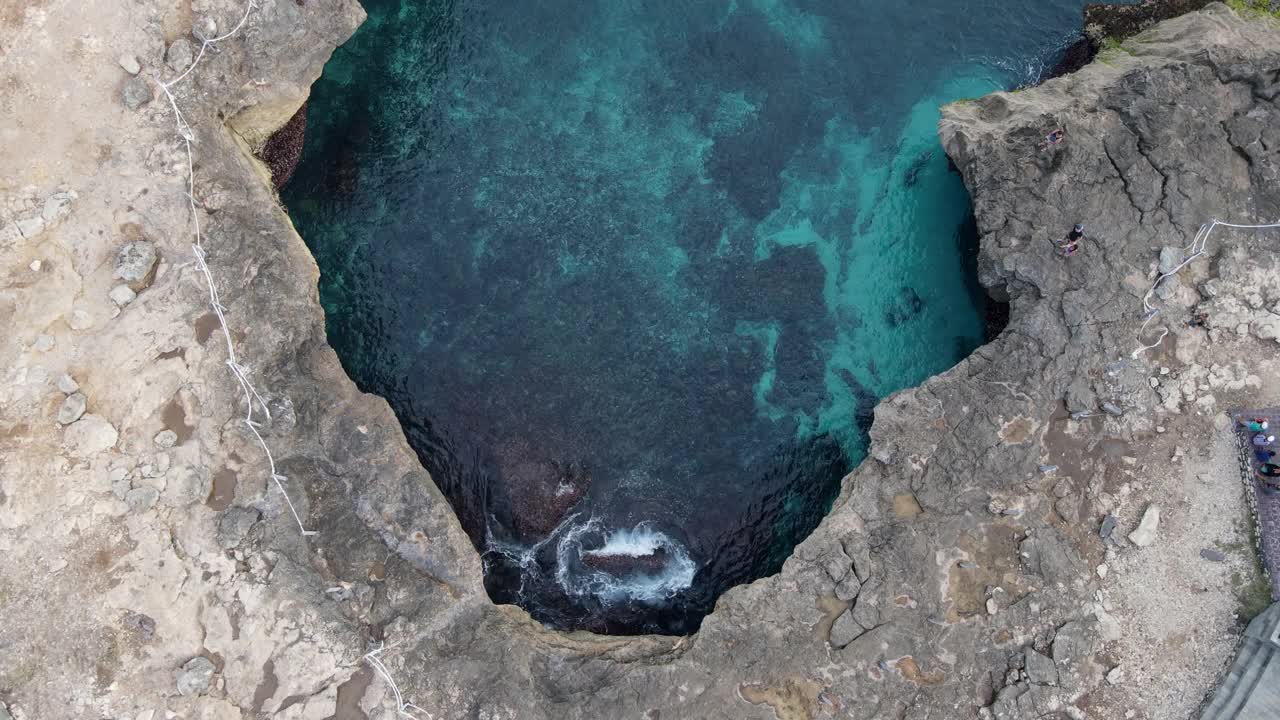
x=122 y=295
x=72 y=408
x=141 y=624
x=90 y=435
x=1145 y=534
x=234 y=525
x=130 y=63
x=1266 y=326
x=1108 y=526
x=136 y=264
x=622 y=565
x=194 y=676
x=67 y=385
x=1170 y=258
x=136 y=92
x=179 y=54
x=1039 y=668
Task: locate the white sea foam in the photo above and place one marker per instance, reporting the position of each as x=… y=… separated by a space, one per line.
x=637 y=542
x=525 y=555
x=576 y=578
x=1031 y=69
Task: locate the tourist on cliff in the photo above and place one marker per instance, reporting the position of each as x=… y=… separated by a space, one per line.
x=1264 y=455
x=1263 y=439
x=1053 y=138
x=1255 y=425
x=1071 y=243
x=1269 y=470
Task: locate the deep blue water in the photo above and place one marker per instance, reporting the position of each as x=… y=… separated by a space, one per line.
x=633 y=274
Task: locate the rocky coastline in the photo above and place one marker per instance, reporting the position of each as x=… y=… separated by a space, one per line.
x=989 y=560
x=1115 y=22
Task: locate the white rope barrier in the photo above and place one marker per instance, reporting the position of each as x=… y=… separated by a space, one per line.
x=238 y=370
x=1196 y=249
x=402 y=706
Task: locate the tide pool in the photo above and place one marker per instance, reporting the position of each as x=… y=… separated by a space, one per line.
x=634 y=275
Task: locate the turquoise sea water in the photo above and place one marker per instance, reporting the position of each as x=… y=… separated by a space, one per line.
x=633 y=275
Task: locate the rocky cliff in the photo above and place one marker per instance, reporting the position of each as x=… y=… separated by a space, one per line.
x=987 y=562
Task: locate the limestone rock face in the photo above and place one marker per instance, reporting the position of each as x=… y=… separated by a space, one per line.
x=879 y=613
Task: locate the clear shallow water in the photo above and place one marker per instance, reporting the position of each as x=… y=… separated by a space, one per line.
x=633 y=275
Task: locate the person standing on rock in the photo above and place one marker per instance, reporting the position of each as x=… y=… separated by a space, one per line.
x=1071 y=243
x=1255 y=425
x=1053 y=138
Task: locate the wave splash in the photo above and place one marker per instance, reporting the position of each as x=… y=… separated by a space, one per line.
x=621 y=565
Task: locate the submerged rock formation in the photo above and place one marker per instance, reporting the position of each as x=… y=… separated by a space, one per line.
x=540 y=493
x=961 y=574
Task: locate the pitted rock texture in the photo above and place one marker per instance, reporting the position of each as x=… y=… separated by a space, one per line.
x=955 y=578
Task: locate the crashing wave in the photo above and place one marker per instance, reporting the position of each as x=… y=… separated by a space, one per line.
x=614 y=566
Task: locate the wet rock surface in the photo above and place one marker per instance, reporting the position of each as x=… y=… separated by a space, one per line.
x=885 y=611
x=652 y=563
x=283 y=149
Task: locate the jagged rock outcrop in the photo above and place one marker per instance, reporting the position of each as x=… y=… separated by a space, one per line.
x=958 y=576
x=1111 y=22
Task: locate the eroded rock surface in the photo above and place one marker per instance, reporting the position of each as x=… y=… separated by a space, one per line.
x=959 y=575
